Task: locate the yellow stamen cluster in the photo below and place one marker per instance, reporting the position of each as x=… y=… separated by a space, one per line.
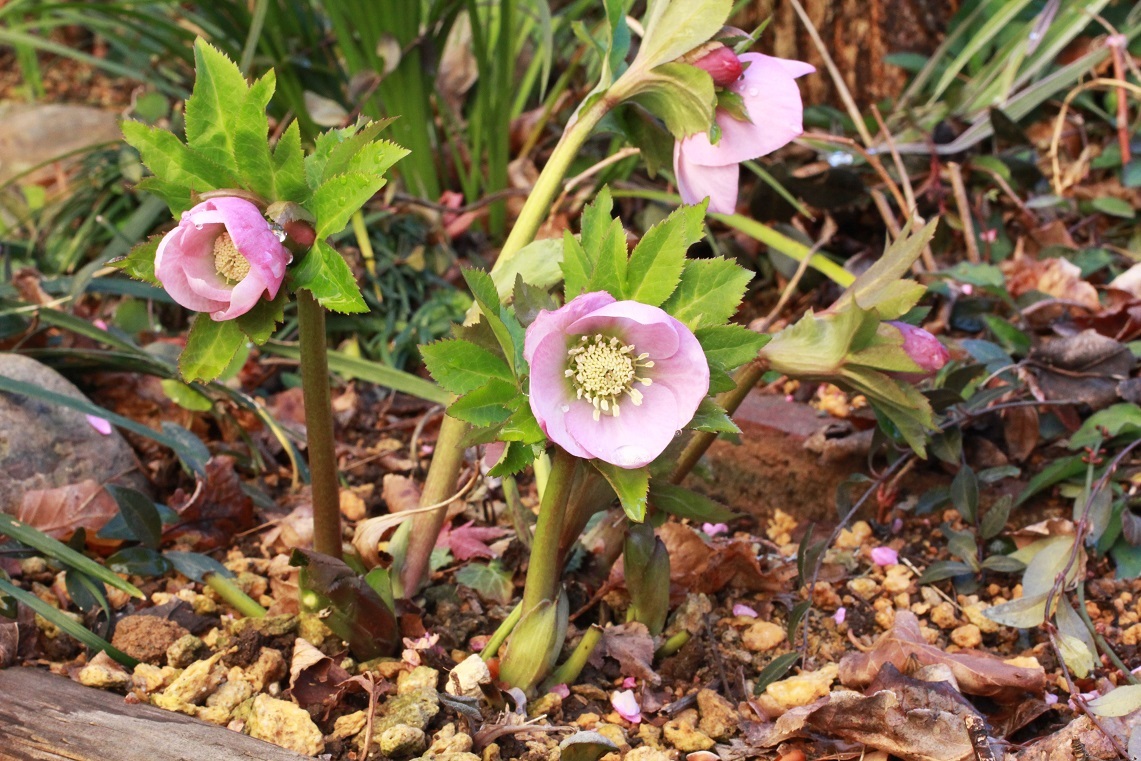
x=228 y=260
x=602 y=369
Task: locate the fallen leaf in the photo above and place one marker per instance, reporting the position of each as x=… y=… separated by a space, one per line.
x=315 y=678
x=705 y=568
x=293 y=530
x=217 y=511
x=59 y=512
x=977 y=673
x=1054 y=277
x=470 y=541
x=632 y=646
x=402 y=495
x=1085 y=368
x=1059 y=746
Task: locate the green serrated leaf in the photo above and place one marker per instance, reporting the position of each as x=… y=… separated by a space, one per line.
x=576 y=266
x=631 y=485
x=529 y=300
x=486 y=405
x=461 y=366
x=684 y=503
x=338 y=198
x=289 y=167
x=657 y=261
x=508 y=335
x=605 y=246
x=712 y=418
x=965 y=493
x=523 y=427
x=730 y=346
x=219 y=91
x=210 y=346
x=675 y=27
x=709 y=292
x=173 y=162
x=516 y=457
x=259 y=323
x=324 y=273
x=254 y=162
x=140 y=262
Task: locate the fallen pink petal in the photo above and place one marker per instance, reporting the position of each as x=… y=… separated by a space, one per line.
x=884 y=556
x=840 y=615
x=714 y=529
x=629 y=683
x=561 y=690
x=741 y=609
x=613 y=380
x=627 y=706
x=99 y=424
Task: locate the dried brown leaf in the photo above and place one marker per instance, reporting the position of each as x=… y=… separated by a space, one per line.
x=215 y=512
x=702 y=568
x=315 y=678
x=977 y=673
x=632 y=646
x=1020 y=429
x=59 y=512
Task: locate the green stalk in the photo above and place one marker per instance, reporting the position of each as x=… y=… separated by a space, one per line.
x=545 y=567
x=491 y=649
x=234 y=596
x=572 y=666
x=439 y=485
x=319 y=425
x=746 y=378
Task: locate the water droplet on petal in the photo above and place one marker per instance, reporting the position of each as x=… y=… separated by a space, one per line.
x=754 y=92
x=565 y=408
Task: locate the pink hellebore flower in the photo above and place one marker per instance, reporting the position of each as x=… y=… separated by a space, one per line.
x=924 y=350
x=772 y=101
x=613 y=380
x=221 y=258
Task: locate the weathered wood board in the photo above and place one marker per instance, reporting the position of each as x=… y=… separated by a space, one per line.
x=49 y=718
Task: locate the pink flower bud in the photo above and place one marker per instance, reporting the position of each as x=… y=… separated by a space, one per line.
x=722 y=64
x=923 y=348
x=222 y=258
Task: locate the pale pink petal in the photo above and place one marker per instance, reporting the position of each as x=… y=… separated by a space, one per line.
x=254 y=238
x=551 y=397
x=633 y=439
x=243 y=298
x=713 y=529
x=686 y=373
x=99 y=424
x=696 y=181
x=561 y=690
x=627 y=706
x=741 y=609
x=183 y=243
x=648 y=328
x=884 y=556
x=1050 y=699
x=840 y=615
x=629 y=683
x=556 y=322
x=772 y=101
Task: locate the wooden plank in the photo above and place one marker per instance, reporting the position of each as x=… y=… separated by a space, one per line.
x=44 y=717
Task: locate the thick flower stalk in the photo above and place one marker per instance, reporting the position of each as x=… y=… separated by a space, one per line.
x=222 y=258
x=772 y=117
x=613 y=380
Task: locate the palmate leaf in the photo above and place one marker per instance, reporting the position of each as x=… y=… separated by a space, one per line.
x=730 y=346
x=173 y=162
x=210 y=346
x=253 y=160
x=489 y=404
x=631 y=485
x=338 y=198
x=352 y=149
x=506 y=328
x=139 y=263
x=289 y=167
x=516 y=457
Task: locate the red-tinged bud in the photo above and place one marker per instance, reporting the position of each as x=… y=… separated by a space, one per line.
x=923 y=348
x=722 y=64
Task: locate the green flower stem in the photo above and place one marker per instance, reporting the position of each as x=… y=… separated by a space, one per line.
x=746 y=378
x=319 y=425
x=446 y=462
x=572 y=666
x=439 y=486
x=491 y=649
x=673 y=644
x=234 y=596
x=545 y=567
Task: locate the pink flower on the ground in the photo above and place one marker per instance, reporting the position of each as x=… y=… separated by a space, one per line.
x=772 y=101
x=924 y=349
x=713 y=529
x=741 y=609
x=561 y=690
x=613 y=380
x=627 y=706
x=884 y=556
x=629 y=683
x=840 y=615
x=99 y=424
x=1050 y=699
x=221 y=259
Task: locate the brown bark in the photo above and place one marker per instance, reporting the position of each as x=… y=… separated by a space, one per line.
x=858 y=34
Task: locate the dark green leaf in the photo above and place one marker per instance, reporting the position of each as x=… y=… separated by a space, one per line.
x=684 y=503
x=189 y=448
x=795 y=616
x=517 y=456
x=576 y=266
x=259 y=323
x=995 y=519
x=1003 y=564
x=712 y=418
x=965 y=494
x=140 y=515
x=1058 y=470
x=944 y=569
x=350 y=607
x=196 y=566
x=777 y=668
x=585 y=746
x=489 y=579
x=138 y=561
x=529 y=300
x=140 y=262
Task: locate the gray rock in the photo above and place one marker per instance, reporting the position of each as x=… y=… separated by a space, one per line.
x=45 y=445
x=31 y=135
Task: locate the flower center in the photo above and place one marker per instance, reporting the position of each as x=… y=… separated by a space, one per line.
x=602 y=369
x=228 y=260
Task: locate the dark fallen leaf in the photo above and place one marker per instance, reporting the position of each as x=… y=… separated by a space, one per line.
x=60 y=511
x=632 y=646
x=702 y=568
x=348 y=606
x=217 y=511
x=470 y=541
x=1085 y=368
x=977 y=673
x=315 y=679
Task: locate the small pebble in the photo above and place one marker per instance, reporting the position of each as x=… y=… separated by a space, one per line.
x=762 y=636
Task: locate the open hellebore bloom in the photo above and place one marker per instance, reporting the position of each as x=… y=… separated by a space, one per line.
x=613 y=380
x=924 y=350
x=221 y=258
x=772 y=101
